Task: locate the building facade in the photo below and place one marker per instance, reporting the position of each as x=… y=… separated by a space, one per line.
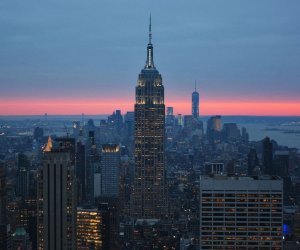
x=110 y=168
x=241 y=213
x=149 y=198
x=56 y=221
x=89 y=228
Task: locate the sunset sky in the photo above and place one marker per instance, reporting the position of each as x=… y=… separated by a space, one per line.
x=74 y=56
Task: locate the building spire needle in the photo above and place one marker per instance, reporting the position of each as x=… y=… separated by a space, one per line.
x=150 y=33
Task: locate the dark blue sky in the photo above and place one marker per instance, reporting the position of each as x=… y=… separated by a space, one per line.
x=241 y=50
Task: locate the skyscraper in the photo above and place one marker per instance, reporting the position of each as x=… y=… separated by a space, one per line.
x=149 y=198
x=214 y=127
x=56 y=222
x=22 y=185
x=268 y=157
x=195 y=104
x=252 y=161
x=110 y=164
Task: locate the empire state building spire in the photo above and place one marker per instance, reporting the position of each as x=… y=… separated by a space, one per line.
x=149 y=62
x=149 y=195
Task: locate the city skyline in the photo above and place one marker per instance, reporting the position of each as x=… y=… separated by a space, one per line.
x=61 y=58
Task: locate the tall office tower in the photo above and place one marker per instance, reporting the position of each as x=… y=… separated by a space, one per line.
x=214 y=123
x=231 y=131
x=110 y=167
x=268 y=156
x=38 y=133
x=180 y=120
x=92 y=166
x=281 y=163
x=56 y=222
x=241 y=213
x=170 y=116
x=129 y=130
x=252 y=162
x=245 y=135
x=5 y=231
x=110 y=224
x=119 y=120
x=22 y=185
x=214 y=127
x=81 y=172
x=195 y=104
x=89 y=228
x=150 y=190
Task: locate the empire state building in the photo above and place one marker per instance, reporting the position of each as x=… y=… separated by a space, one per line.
x=149 y=197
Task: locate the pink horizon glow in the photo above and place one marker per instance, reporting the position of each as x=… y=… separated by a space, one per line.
x=93 y=107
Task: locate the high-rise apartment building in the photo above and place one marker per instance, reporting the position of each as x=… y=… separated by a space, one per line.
x=241 y=213
x=56 y=221
x=149 y=198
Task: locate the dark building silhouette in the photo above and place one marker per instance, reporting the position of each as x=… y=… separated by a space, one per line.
x=149 y=198
x=252 y=161
x=268 y=157
x=38 y=133
x=230 y=131
x=5 y=233
x=116 y=120
x=22 y=185
x=281 y=163
x=109 y=208
x=129 y=124
x=245 y=135
x=81 y=171
x=195 y=104
x=92 y=165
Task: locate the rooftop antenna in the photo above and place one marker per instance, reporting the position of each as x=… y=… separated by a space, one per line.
x=195 y=85
x=150 y=32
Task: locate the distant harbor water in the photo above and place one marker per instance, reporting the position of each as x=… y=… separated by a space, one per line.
x=284 y=130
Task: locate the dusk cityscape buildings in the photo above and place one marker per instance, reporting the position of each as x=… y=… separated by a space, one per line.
x=150 y=177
